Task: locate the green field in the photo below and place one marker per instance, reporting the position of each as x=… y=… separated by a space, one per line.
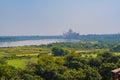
x=31 y=50
x=19 y=56
x=21 y=63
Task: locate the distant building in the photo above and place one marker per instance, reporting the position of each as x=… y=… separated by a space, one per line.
x=71 y=35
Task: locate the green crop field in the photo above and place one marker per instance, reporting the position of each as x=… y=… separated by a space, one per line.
x=20 y=63
x=23 y=50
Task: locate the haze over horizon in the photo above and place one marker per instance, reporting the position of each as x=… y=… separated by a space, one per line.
x=53 y=17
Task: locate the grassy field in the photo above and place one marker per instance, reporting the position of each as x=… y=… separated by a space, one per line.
x=18 y=56
x=21 y=51
x=21 y=63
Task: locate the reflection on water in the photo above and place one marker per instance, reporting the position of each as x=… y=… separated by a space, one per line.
x=32 y=42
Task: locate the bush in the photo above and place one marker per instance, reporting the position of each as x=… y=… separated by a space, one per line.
x=57 y=51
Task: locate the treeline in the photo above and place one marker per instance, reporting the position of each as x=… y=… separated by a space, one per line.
x=22 y=38
x=72 y=66
x=101 y=38
x=83 y=45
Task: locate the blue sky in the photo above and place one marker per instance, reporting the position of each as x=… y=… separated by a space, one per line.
x=53 y=17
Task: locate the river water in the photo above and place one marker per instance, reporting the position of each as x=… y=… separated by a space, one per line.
x=33 y=42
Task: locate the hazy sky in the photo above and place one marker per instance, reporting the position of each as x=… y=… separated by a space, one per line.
x=53 y=17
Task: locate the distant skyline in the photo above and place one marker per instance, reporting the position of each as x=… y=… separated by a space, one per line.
x=53 y=17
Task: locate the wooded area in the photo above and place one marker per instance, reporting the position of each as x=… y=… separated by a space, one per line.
x=60 y=61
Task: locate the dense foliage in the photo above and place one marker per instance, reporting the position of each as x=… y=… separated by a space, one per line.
x=70 y=67
x=66 y=63
x=116 y=48
x=57 y=51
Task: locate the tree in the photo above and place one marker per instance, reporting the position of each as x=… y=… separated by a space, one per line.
x=91 y=74
x=3 y=61
x=116 y=48
x=105 y=70
x=47 y=68
x=57 y=51
x=105 y=56
x=113 y=59
x=31 y=77
x=95 y=62
x=8 y=72
x=75 y=61
x=73 y=74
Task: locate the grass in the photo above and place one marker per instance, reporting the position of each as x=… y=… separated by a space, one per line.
x=24 y=50
x=17 y=63
x=20 y=63
x=117 y=53
x=35 y=54
x=89 y=55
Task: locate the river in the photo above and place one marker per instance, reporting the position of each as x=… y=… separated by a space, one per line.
x=33 y=42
